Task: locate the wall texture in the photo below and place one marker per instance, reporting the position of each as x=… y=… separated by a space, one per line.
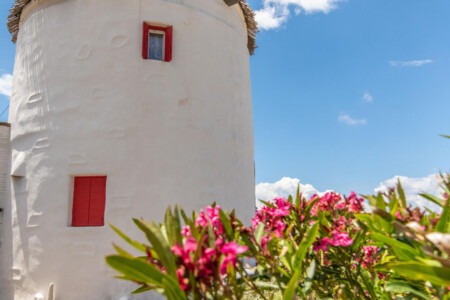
x=5 y=212
x=85 y=103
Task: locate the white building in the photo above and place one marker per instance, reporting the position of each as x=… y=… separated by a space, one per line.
x=119 y=108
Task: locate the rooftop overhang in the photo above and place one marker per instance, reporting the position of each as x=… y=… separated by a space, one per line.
x=249 y=17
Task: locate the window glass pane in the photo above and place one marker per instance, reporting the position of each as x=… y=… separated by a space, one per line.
x=155 y=46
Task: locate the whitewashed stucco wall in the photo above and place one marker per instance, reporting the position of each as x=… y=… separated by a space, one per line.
x=5 y=240
x=85 y=103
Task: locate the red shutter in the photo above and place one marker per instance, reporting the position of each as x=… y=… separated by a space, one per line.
x=81 y=196
x=168 y=45
x=97 y=201
x=145 y=31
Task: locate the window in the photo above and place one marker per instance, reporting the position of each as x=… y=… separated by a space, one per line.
x=157 y=42
x=89 y=195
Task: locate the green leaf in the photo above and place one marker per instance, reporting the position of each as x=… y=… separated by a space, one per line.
x=310 y=206
x=173 y=289
x=309 y=276
x=404 y=288
x=226 y=221
x=267 y=203
x=433 y=199
x=304 y=246
x=142 y=289
x=189 y=223
x=445 y=136
x=211 y=238
x=368 y=282
x=286 y=263
x=135 y=244
x=401 y=194
x=444 y=220
x=259 y=233
x=393 y=206
x=121 y=252
x=297 y=198
x=366 y=220
x=173 y=228
x=136 y=269
x=419 y=271
x=160 y=245
x=403 y=250
x=376 y=201
x=289 y=292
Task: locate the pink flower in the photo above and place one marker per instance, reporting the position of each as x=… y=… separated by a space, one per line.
x=341 y=239
x=186 y=231
x=218 y=244
x=264 y=240
x=184 y=252
x=230 y=250
x=323 y=245
x=184 y=282
x=273 y=217
x=211 y=215
x=233 y=248
x=355 y=203
x=280 y=225
x=370 y=256
x=190 y=245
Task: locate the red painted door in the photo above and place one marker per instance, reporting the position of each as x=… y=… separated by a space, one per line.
x=89 y=197
x=81 y=196
x=97 y=201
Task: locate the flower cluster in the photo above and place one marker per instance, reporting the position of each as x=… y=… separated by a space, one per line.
x=273 y=216
x=337 y=239
x=323 y=247
x=204 y=261
x=331 y=202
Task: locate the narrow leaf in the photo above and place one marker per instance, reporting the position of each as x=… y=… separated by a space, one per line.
x=160 y=245
x=135 y=244
x=433 y=199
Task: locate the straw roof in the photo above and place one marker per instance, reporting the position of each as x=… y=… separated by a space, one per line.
x=252 y=28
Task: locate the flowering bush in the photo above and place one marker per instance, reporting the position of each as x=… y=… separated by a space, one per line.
x=323 y=247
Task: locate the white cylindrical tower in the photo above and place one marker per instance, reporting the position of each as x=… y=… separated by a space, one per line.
x=119 y=109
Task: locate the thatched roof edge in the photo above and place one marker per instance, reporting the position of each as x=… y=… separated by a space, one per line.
x=252 y=28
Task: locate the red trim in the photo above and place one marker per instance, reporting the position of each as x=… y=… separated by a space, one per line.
x=145 y=31
x=168 y=31
x=168 y=46
x=158 y=28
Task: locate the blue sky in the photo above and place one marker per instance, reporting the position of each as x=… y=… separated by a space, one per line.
x=346 y=94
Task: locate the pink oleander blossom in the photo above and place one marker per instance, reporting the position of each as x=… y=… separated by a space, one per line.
x=186 y=231
x=211 y=215
x=370 y=257
x=230 y=250
x=339 y=239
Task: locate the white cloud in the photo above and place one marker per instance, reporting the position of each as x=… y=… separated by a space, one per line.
x=283 y=188
x=6 y=84
x=411 y=63
x=413 y=187
x=367 y=97
x=274 y=13
x=346 y=119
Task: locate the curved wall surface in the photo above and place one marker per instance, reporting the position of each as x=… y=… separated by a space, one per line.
x=85 y=103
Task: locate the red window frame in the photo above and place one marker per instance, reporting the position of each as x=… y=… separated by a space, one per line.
x=89 y=199
x=168 y=36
